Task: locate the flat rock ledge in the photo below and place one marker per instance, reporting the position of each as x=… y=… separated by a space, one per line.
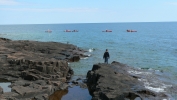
x=114 y=82
x=35 y=69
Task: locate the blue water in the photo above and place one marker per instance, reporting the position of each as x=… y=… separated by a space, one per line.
x=153 y=46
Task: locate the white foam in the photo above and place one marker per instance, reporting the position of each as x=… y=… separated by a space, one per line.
x=148 y=86
x=142 y=80
x=150 y=69
x=139 y=68
x=138 y=72
x=90 y=50
x=89 y=55
x=161 y=86
x=155 y=89
x=157 y=70
x=85 y=58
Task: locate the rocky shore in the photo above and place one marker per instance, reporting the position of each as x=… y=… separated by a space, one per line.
x=35 y=69
x=116 y=82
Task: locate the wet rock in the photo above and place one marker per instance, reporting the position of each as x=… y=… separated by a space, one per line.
x=83 y=85
x=1 y=90
x=78 y=79
x=71 y=71
x=104 y=84
x=84 y=80
x=75 y=58
x=64 y=86
x=75 y=82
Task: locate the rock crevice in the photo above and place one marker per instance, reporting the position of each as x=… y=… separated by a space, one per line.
x=36 y=69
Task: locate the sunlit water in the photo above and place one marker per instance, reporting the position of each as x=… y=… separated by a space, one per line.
x=154 y=46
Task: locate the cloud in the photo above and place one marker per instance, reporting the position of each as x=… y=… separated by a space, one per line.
x=8 y=2
x=52 y=9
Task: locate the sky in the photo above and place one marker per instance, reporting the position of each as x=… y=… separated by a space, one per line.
x=86 y=11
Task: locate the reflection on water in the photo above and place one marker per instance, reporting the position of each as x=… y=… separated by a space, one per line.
x=5 y=85
x=57 y=95
x=75 y=93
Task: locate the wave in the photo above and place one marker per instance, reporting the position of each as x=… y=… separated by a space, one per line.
x=85 y=58
x=152 y=81
x=91 y=50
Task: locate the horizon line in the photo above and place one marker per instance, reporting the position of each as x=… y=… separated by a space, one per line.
x=90 y=23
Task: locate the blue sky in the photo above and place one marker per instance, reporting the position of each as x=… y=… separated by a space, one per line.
x=86 y=11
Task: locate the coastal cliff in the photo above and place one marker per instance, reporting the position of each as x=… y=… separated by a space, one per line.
x=35 y=69
x=115 y=82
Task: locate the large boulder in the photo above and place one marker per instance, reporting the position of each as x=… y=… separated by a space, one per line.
x=113 y=82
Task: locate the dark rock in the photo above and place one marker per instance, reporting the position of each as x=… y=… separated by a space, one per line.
x=41 y=97
x=56 y=83
x=78 y=79
x=84 y=80
x=36 y=68
x=113 y=82
x=83 y=85
x=1 y=90
x=71 y=71
x=75 y=82
x=29 y=76
x=75 y=58
x=68 y=77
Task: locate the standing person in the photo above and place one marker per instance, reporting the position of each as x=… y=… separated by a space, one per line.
x=106 y=56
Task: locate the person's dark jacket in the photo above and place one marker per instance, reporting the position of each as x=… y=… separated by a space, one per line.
x=106 y=54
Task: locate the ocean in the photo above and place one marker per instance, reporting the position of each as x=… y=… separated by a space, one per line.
x=152 y=47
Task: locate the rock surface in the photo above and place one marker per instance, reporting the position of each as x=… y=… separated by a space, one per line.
x=1 y=91
x=114 y=82
x=36 y=69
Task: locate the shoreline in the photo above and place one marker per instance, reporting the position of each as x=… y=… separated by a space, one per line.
x=36 y=69
x=23 y=53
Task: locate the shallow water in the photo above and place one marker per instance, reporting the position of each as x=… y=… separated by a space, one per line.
x=73 y=93
x=5 y=85
x=77 y=93
x=57 y=95
x=153 y=46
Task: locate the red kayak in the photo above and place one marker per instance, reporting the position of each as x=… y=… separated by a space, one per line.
x=131 y=31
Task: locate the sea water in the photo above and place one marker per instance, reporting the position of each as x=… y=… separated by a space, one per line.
x=152 y=47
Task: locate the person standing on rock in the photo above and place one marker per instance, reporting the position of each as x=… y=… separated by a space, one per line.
x=106 y=56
